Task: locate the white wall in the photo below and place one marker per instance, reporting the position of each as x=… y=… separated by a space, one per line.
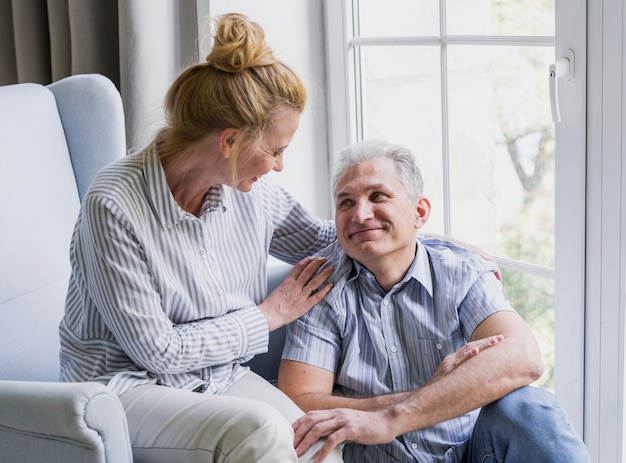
x=294 y=30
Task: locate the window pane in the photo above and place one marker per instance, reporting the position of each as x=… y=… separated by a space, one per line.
x=500 y=17
x=394 y=18
x=401 y=103
x=502 y=150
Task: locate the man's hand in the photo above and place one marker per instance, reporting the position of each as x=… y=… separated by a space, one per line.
x=471 y=349
x=340 y=425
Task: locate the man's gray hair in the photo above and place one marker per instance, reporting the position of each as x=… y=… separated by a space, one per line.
x=408 y=171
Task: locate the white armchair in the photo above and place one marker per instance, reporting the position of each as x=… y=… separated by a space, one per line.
x=53 y=140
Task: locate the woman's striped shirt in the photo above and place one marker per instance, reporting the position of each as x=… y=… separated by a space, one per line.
x=160 y=296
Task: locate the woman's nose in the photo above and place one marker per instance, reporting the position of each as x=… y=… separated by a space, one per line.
x=278 y=164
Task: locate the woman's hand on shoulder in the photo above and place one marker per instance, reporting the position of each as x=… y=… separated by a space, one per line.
x=298 y=293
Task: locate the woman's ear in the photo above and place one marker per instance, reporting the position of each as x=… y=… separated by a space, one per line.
x=422 y=212
x=226 y=141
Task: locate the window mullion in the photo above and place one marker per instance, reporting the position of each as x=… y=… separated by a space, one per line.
x=447 y=197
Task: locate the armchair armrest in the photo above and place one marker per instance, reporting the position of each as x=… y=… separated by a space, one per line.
x=62 y=422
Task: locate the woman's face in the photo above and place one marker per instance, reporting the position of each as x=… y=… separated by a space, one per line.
x=257 y=160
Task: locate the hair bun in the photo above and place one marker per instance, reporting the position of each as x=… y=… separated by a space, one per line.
x=239 y=44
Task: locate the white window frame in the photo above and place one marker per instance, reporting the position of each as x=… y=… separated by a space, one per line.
x=569 y=305
x=605 y=228
x=570 y=206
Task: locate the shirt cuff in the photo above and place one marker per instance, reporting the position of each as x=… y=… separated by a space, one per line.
x=256 y=329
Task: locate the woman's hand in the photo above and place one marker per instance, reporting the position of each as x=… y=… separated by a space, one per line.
x=298 y=293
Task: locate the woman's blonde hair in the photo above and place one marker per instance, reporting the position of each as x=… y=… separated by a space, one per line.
x=241 y=85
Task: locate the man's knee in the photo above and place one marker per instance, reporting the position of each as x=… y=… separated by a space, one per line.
x=528 y=425
x=521 y=406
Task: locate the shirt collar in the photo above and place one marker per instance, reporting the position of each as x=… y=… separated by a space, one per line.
x=418 y=271
x=167 y=209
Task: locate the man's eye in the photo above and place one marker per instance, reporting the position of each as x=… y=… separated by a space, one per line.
x=344 y=204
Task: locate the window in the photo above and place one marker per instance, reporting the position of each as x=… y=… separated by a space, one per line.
x=464 y=85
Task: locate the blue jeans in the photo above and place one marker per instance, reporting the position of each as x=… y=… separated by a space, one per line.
x=526 y=425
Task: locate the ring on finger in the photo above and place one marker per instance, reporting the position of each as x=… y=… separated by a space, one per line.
x=309 y=288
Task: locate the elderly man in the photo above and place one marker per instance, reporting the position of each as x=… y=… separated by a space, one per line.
x=414 y=355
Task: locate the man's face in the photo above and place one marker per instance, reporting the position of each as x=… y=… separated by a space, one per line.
x=376 y=222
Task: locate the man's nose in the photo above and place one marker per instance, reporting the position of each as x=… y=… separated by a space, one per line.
x=363 y=211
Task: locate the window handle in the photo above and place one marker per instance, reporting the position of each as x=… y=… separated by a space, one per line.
x=562 y=69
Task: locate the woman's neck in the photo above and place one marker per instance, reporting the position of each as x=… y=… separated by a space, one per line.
x=190 y=175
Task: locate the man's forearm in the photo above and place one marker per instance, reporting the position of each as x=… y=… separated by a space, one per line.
x=475 y=383
x=319 y=401
x=467 y=385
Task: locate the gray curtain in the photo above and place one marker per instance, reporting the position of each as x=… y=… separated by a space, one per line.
x=141 y=45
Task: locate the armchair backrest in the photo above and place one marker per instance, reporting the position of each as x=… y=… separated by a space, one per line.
x=54 y=140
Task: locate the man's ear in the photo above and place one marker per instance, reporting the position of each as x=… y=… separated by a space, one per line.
x=422 y=212
x=226 y=141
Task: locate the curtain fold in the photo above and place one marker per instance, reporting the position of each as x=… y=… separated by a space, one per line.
x=141 y=45
x=8 y=62
x=31 y=40
x=60 y=39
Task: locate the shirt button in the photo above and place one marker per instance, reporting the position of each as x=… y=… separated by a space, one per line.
x=439 y=346
x=385 y=302
x=413 y=445
x=394 y=349
x=202 y=251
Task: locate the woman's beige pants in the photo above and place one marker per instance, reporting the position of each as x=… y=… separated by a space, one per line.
x=251 y=423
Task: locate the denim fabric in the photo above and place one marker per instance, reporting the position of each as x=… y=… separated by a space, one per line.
x=526 y=425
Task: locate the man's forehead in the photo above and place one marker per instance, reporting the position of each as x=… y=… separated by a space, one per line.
x=360 y=186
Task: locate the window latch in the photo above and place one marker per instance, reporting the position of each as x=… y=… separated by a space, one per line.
x=563 y=69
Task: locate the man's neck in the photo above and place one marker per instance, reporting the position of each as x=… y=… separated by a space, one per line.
x=391 y=269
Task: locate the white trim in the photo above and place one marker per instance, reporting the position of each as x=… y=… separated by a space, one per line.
x=445 y=119
x=606 y=235
x=340 y=88
x=455 y=39
x=570 y=215
x=524 y=267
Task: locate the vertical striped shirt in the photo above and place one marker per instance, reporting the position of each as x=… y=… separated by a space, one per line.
x=160 y=296
x=382 y=343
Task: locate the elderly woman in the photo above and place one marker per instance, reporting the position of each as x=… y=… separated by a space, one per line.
x=167 y=296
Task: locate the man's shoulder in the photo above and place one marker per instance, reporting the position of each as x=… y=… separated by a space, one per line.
x=336 y=257
x=448 y=254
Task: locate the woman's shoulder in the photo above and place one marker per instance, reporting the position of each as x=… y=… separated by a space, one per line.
x=119 y=182
x=118 y=174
